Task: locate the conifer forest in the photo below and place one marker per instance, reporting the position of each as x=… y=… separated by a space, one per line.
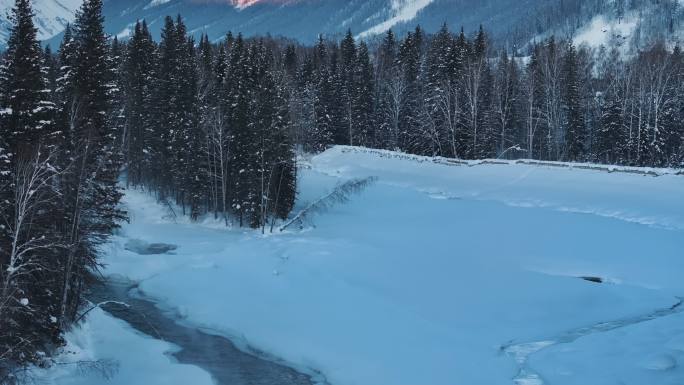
x=217 y=127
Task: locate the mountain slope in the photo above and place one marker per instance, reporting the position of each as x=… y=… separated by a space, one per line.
x=510 y=22
x=51 y=16
x=303 y=20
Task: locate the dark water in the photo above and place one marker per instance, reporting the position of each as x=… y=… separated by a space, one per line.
x=217 y=355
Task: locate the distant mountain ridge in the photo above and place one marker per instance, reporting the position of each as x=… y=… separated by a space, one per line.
x=303 y=20
x=511 y=22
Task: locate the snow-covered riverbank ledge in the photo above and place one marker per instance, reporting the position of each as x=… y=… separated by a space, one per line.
x=105 y=350
x=426 y=276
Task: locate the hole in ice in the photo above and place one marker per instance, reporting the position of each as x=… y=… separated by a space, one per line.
x=143 y=248
x=593 y=279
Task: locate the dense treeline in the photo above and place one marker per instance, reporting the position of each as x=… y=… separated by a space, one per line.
x=212 y=127
x=444 y=94
x=58 y=173
x=202 y=126
x=208 y=126
x=451 y=96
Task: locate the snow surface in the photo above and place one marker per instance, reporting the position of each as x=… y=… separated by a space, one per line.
x=600 y=30
x=401 y=11
x=644 y=354
x=155 y=3
x=426 y=276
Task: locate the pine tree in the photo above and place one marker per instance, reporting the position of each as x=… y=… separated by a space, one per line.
x=320 y=54
x=28 y=198
x=678 y=62
x=441 y=61
x=325 y=99
x=91 y=85
x=480 y=43
x=65 y=89
x=91 y=209
x=22 y=81
x=487 y=142
x=164 y=127
x=138 y=84
x=115 y=91
x=182 y=88
x=363 y=104
x=672 y=125
x=609 y=141
x=290 y=61
x=50 y=74
x=275 y=161
x=534 y=97
x=337 y=111
x=442 y=93
x=192 y=145
x=574 y=120
x=506 y=105
x=408 y=58
x=387 y=55
x=205 y=62
x=346 y=68
x=243 y=144
x=388 y=94
x=217 y=134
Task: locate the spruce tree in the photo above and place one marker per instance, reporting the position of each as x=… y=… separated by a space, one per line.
x=574 y=119
x=346 y=72
x=409 y=59
x=138 y=84
x=609 y=141
x=164 y=127
x=337 y=111
x=678 y=62
x=28 y=199
x=487 y=143
x=242 y=145
x=50 y=74
x=672 y=125
x=507 y=103
x=388 y=92
x=193 y=145
x=290 y=61
x=91 y=209
x=65 y=92
x=324 y=77
x=387 y=55
x=363 y=105
x=22 y=81
x=181 y=85
x=441 y=91
x=115 y=91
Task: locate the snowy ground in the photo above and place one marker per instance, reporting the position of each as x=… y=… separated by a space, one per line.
x=427 y=277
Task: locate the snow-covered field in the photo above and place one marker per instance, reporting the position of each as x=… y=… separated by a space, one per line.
x=438 y=274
